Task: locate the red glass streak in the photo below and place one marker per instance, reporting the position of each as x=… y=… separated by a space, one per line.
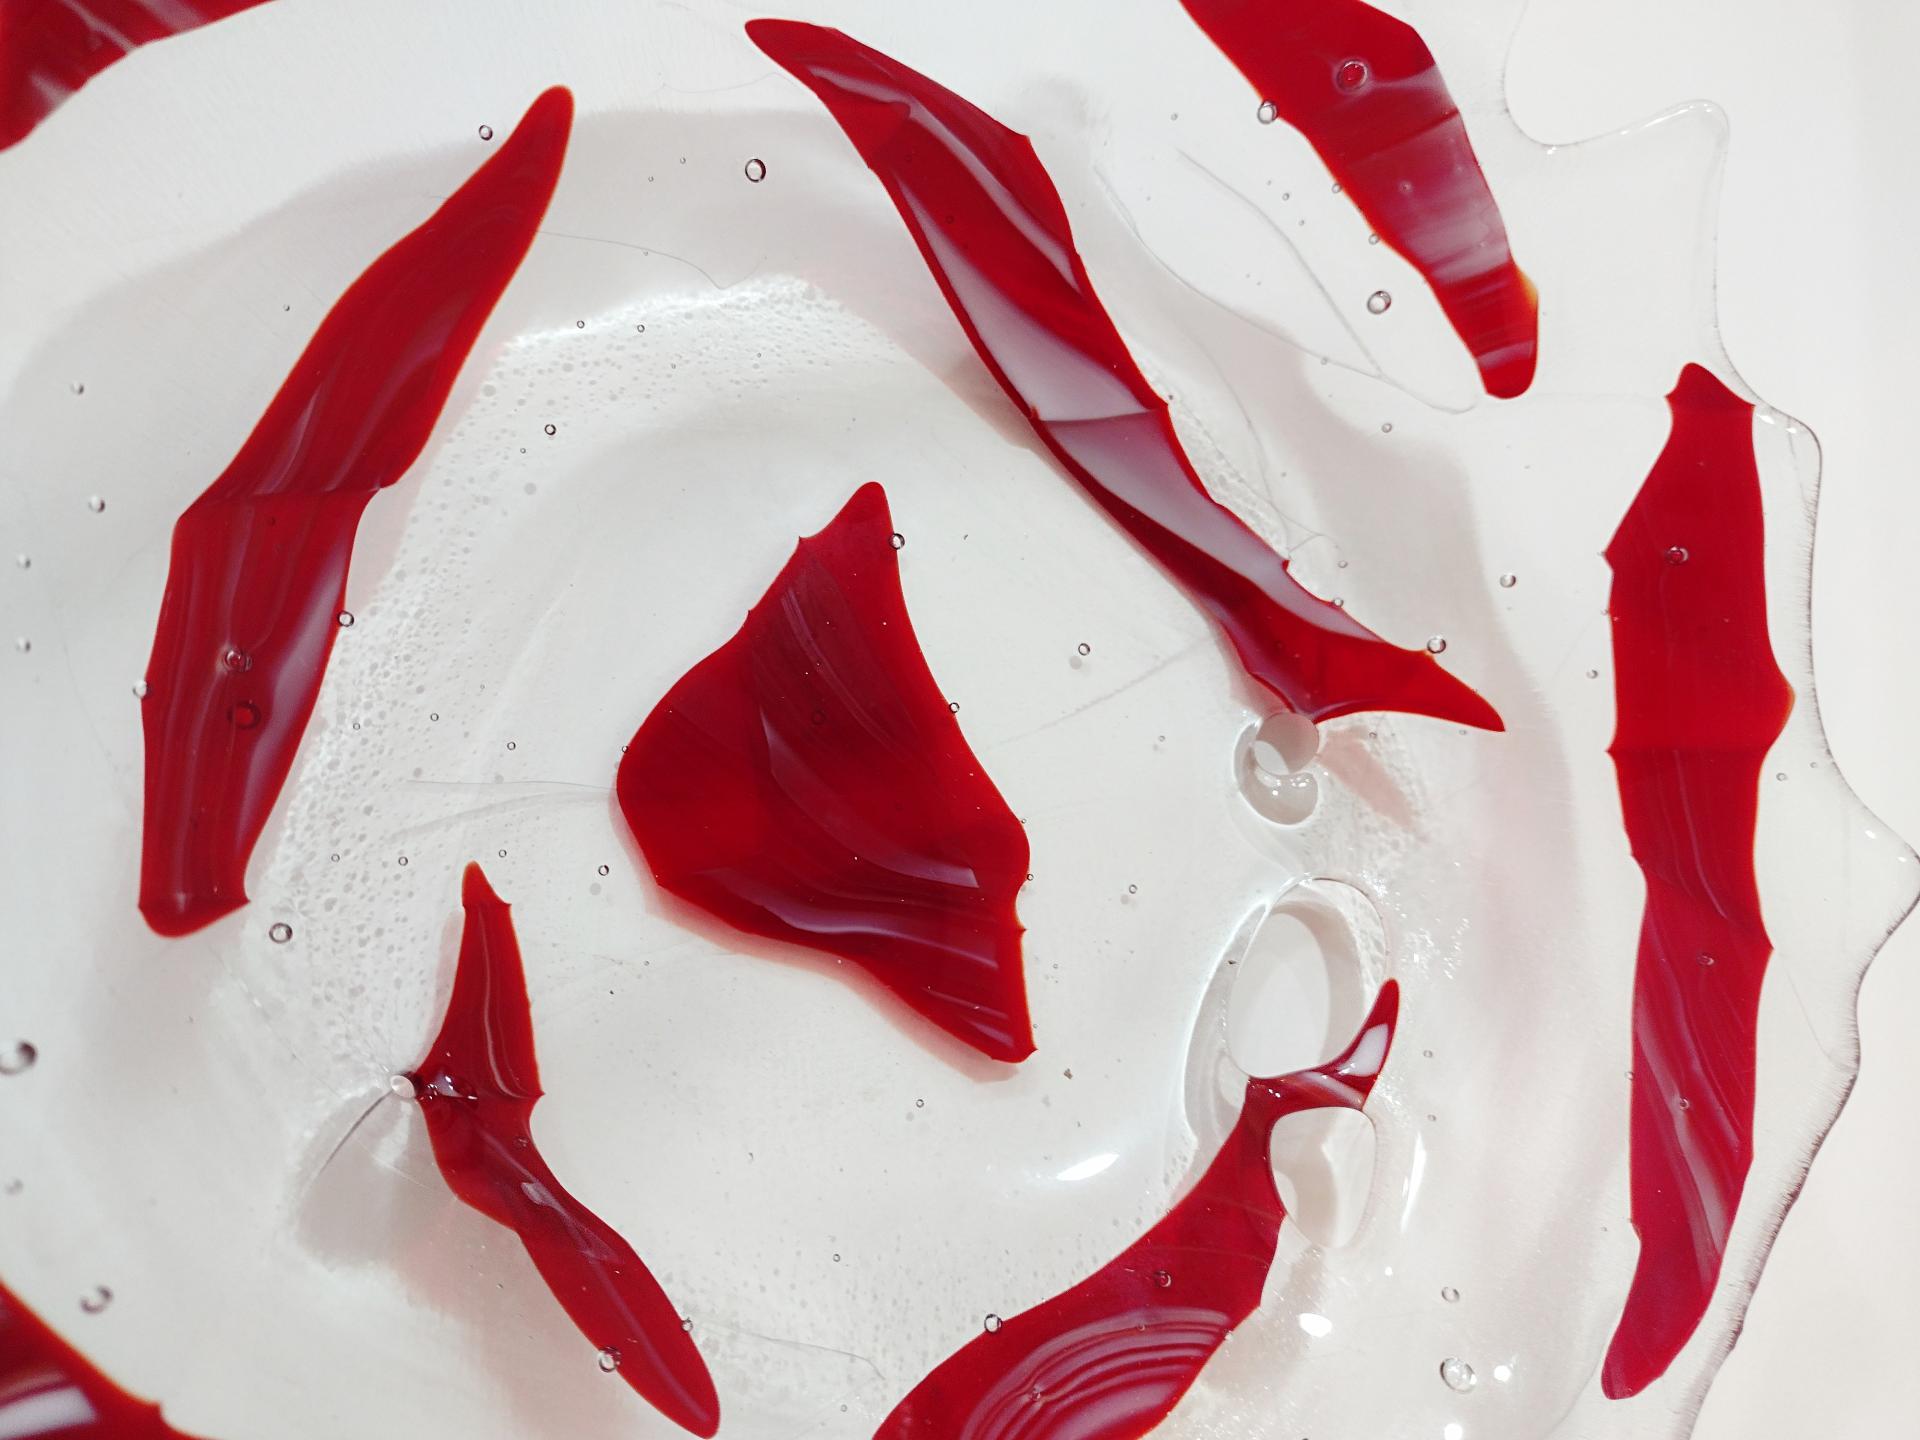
x=1108 y=1359
x=48 y=1388
x=1700 y=700
x=993 y=231
x=808 y=782
x=50 y=48
x=477 y=1088
x=259 y=564
x=1364 y=90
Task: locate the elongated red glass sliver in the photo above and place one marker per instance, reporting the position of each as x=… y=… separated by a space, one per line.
x=47 y=1388
x=808 y=782
x=477 y=1088
x=991 y=227
x=1365 y=91
x=1700 y=701
x=50 y=48
x=259 y=564
x=1109 y=1358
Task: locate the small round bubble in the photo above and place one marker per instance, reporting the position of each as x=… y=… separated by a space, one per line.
x=1268 y=112
x=1508 y=581
x=991 y=1324
x=1458 y=1374
x=1352 y=75
x=756 y=170
x=486 y=132
x=609 y=1360
x=1436 y=644
x=96 y=503
x=1379 y=302
x=280 y=932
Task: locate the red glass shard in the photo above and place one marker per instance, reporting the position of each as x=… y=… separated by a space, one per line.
x=991 y=227
x=47 y=1388
x=1364 y=90
x=477 y=1088
x=1108 y=1359
x=50 y=48
x=1700 y=701
x=808 y=782
x=259 y=564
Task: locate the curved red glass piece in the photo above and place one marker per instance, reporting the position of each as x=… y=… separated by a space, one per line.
x=1108 y=1359
x=259 y=563
x=991 y=227
x=477 y=1088
x=1700 y=701
x=47 y=1388
x=1365 y=91
x=808 y=782
x=50 y=48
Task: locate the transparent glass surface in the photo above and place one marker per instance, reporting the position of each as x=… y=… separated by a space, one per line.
x=836 y=1195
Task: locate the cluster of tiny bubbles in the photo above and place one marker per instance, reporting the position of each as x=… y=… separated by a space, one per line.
x=280 y=932
x=898 y=541
x=604 y=869
x=344 y=619
x=1436 y=644
x=96 y=1302
x=1268 y=112
x=20 y=1058
x=756 y=170
x=486 y=132
x=1379 y=302
x=1509 y=580
x=1447 y=1292
x=96 y=503
x=609 y=1360
x=1677 y=555
x=991 y=1324
x=1458 y=1374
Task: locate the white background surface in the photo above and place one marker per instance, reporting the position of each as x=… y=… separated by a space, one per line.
x=1817 y=294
